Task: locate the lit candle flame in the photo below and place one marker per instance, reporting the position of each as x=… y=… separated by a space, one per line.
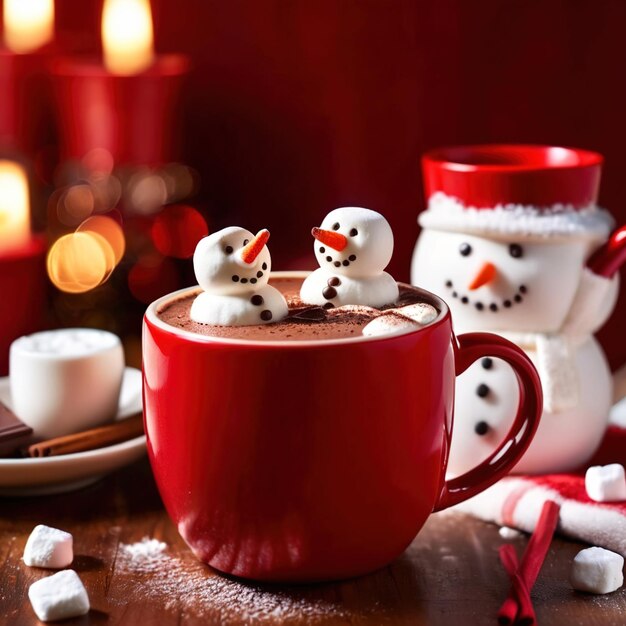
x=127 y=36
x=14 y=206
x=28 y=24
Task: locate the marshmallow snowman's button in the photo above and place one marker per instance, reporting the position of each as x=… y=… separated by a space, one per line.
x=606 y=483
x=597 y=570
x=59 y=596
x=48 y=547
x=329 y=293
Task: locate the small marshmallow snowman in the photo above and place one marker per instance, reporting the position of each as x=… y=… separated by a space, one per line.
x=232 y=266
x=353 y=246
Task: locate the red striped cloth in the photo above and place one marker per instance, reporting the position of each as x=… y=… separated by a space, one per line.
x=516 y=501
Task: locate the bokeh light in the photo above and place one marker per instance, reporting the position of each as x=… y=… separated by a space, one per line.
x=109 y=230
x=78 y=262
x=76 y=204
x=146 y=193
x=99 y=160
x=177 y=230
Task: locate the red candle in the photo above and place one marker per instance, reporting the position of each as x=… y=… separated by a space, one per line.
x=22 y=262
x=26 y=50
x=126 y=104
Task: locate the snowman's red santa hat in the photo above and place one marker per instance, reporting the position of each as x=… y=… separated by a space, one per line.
x=515 y=190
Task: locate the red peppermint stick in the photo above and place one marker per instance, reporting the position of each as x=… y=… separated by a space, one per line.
x=525 y=610
x=532 y=560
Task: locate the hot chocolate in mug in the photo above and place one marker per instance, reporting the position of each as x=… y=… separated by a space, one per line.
x=319 y=459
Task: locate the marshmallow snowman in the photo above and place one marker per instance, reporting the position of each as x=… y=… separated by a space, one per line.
x=232 y=266
x=353 y=246
x=521 y=272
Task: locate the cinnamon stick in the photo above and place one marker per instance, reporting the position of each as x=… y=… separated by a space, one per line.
x=533 y=559
x=92 y=439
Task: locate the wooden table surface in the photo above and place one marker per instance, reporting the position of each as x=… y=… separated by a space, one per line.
x=138 y=572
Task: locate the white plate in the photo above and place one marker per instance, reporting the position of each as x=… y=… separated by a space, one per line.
x=55 y=474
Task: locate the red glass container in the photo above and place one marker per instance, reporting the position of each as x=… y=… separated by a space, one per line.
x=132 y=117
x=23 y=287
x=25 y=100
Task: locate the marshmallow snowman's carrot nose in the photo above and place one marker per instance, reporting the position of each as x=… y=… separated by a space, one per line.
x=485 y=275
x=251 y=250
x=330 y=238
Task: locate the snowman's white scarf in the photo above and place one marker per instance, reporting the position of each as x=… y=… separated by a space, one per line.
x=556 y=366
x=556 y=352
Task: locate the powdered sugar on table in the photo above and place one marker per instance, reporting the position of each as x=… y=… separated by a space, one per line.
x=147 y=567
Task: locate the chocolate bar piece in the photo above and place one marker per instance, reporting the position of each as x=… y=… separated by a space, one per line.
x=13 y=433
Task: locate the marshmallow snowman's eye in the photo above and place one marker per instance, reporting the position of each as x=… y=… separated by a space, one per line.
x=465 y=249
x=354 y=232
x=336 y=226
x=516 y=251
x=246 y=242
x=228 y=249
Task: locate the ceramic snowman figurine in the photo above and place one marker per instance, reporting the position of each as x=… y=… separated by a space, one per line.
x=353 y=246
x=513 y=241
x=232 y=266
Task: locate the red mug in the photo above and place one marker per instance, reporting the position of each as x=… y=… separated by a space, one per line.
x=314 y=460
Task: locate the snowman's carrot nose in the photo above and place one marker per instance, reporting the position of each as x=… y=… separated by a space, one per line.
x=485 y=275
x=251 y=250
x=330 y=238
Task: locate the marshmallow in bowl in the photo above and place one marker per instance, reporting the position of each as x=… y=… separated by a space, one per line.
x=67 y=342
x=65 y=380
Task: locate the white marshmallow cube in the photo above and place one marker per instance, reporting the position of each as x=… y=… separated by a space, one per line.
x=49 y=547
x=59 y=596
x=420 y=312
x=597 y=570
x=606 y=483
x=389 y=324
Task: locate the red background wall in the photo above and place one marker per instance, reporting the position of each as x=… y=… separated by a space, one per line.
x=298 y=106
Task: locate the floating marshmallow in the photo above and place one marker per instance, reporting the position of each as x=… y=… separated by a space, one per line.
x=48 y=547
x=606 y=483
x=597 y=570
x=389 y=324
x=59 y=596
x=232 y=266
x=420 y=312
x=353 y=246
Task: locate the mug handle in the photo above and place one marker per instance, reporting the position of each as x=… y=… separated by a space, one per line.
x=471 y=347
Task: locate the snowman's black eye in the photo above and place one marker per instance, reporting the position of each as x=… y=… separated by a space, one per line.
x=336 y=226
x=465 y=249
x=354 y=232
x=246 y=242
x=515 y=250
x=228 y=249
